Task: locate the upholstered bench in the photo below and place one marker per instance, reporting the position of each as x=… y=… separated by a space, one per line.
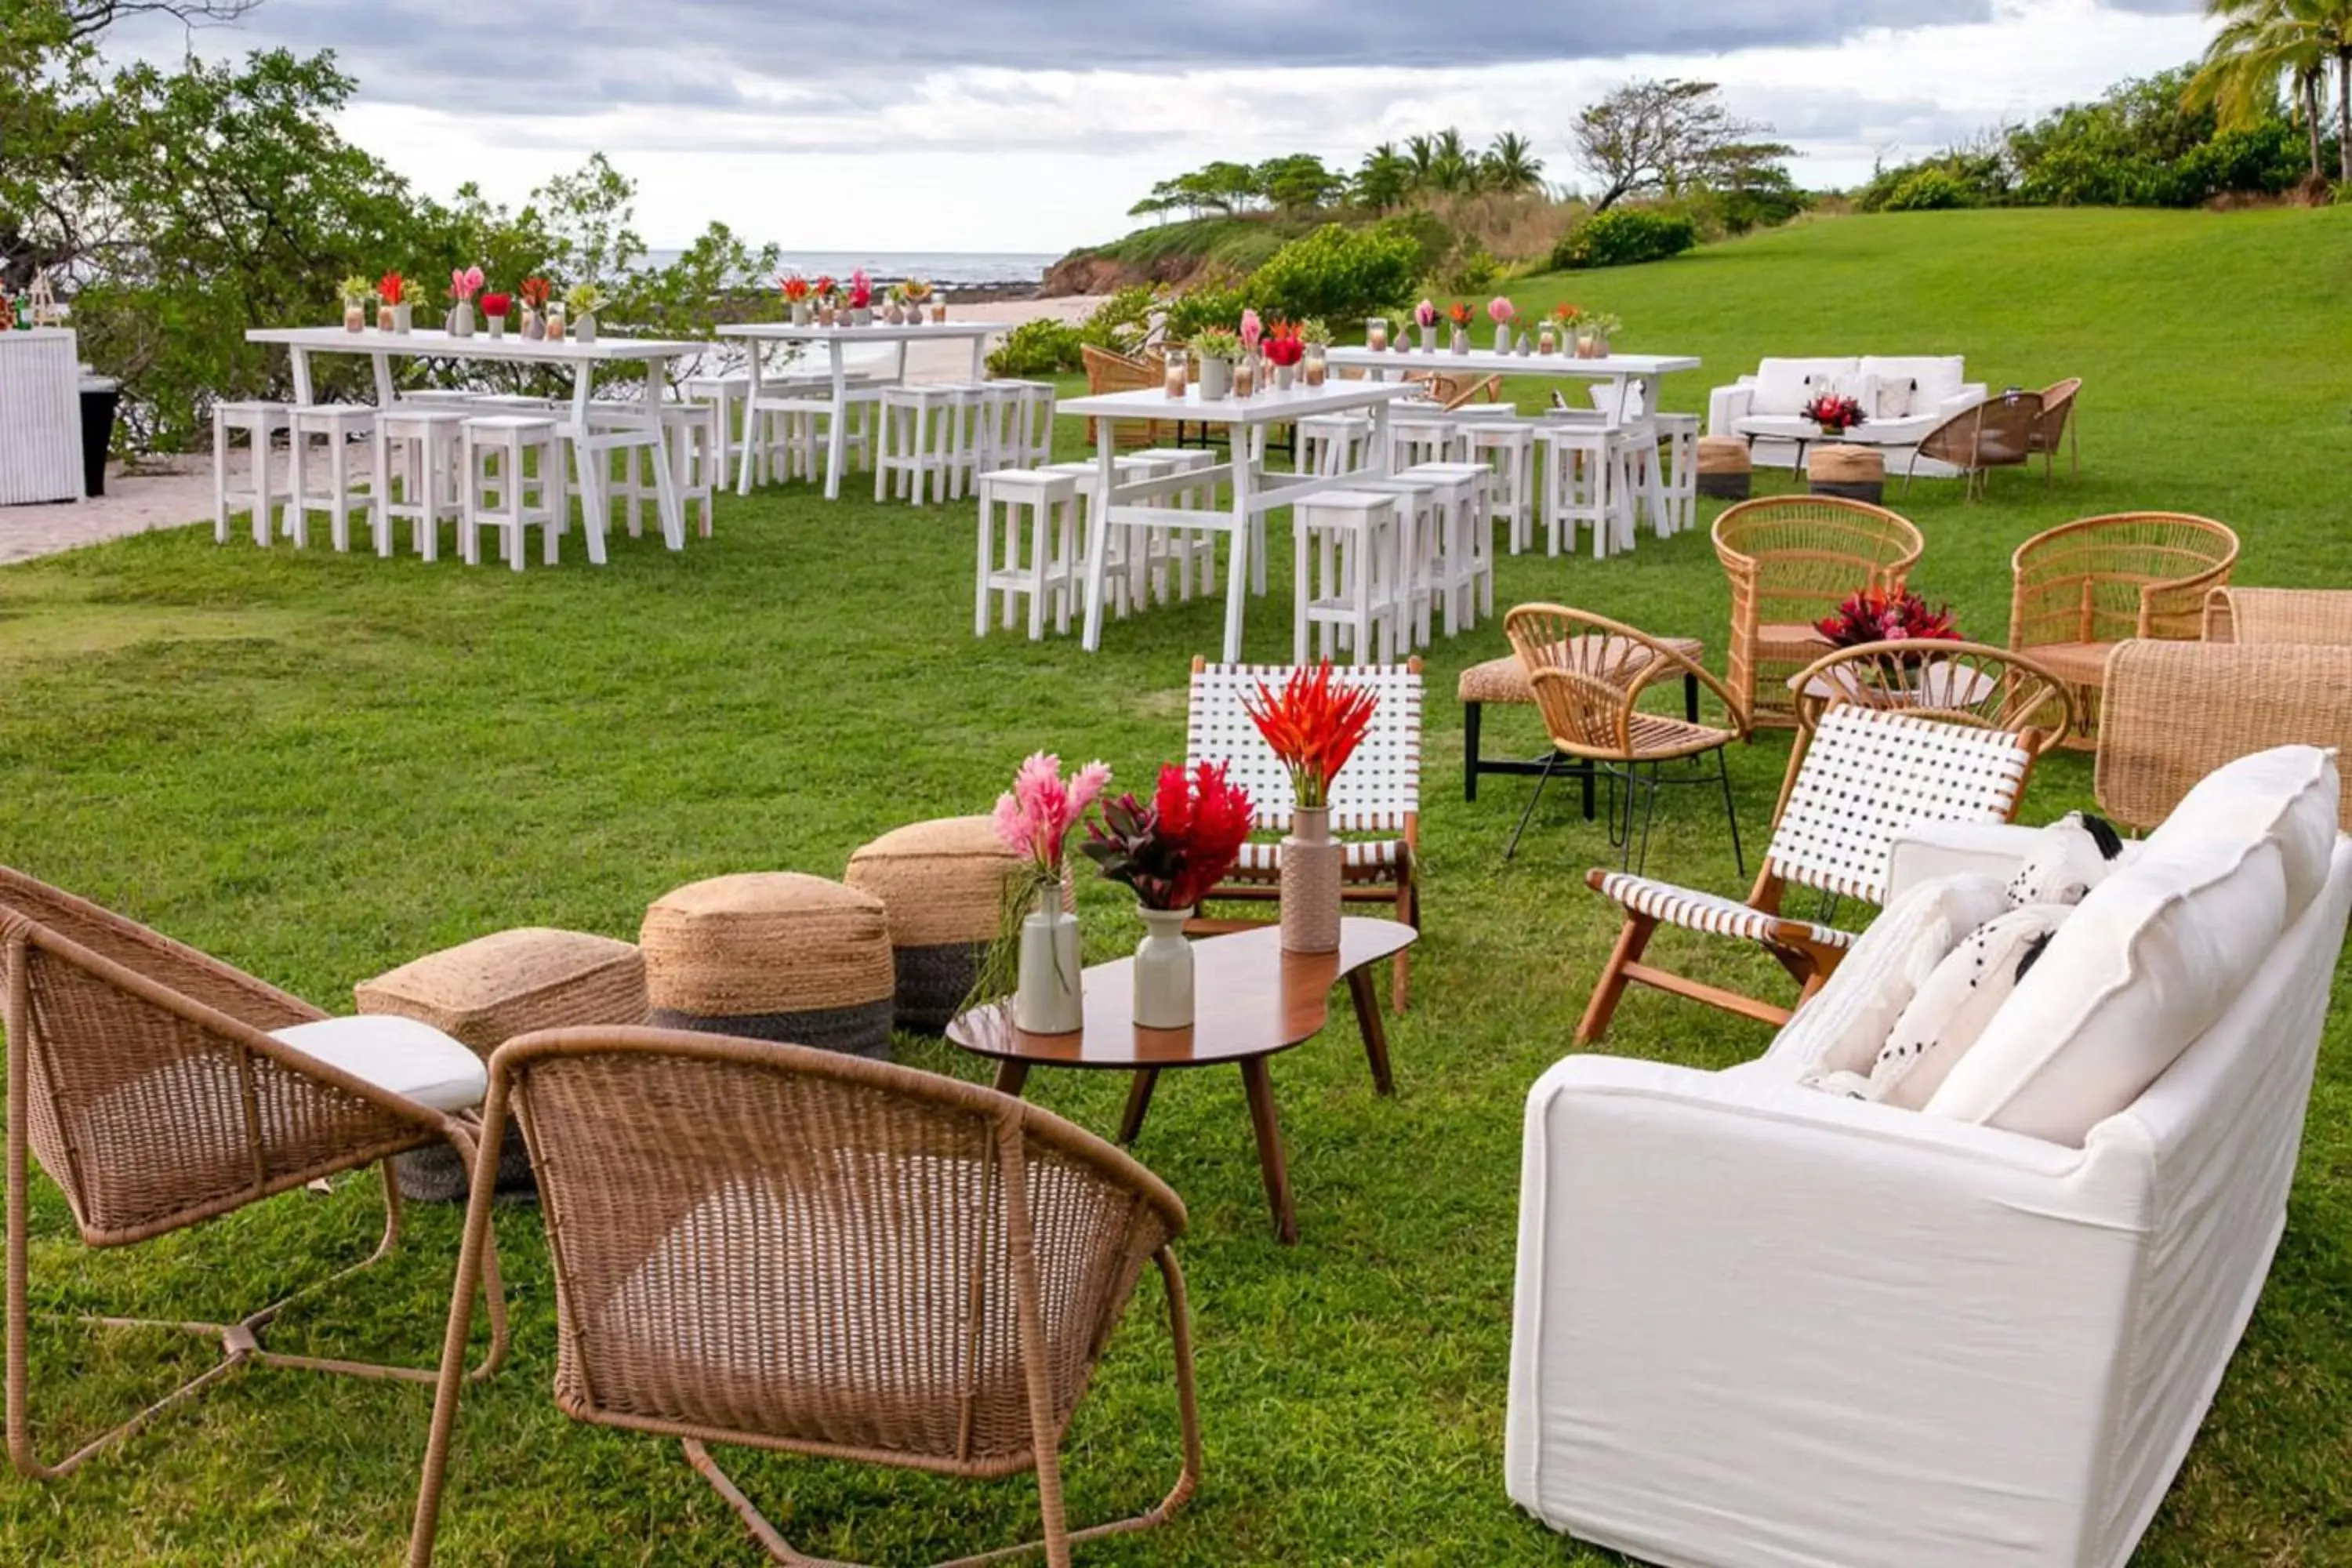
x=942 y=886
x=1505 y=681
x=774 y=956
x=486 y=991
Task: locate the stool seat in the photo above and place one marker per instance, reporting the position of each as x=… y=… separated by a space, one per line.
x=942 y=886
x=774 y=956
x=333 y=488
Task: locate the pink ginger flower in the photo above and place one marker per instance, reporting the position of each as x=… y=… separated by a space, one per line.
x=1252 y=330
x=1424 y=314
x=1499 y=309
x=1035 y=815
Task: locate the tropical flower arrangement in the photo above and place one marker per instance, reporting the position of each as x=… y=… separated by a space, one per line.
x=1833 y=414
x=1880 y=614
x=1566 y=314
x=1253 y=330
x=1174 y=849
x=391 y=288
x=1314 y=332
x=1036 y=956
x=914 y=291
x=1283 y=347
x=534 y=293
x=465 y=282
x=825 y=287
x=1500 y=311
x=795 y=287
x=1458 y=314
x=1424 y=321
x=1035 y=818
x=1217 y=343
x=861 y=291
x=1313 y=727
x=495 y=309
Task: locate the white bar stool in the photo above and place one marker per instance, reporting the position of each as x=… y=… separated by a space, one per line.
x=1178 y=551
x=1124 y=578
x=1051 y=572
x=1586 y=481
x=509 y=497
x=425 y=450
x=1419 y=522
x=721 y=392
x=917 y=435
x=259 y=422
x=985 y=433
x=1356 y=597
x=1424 y=439
x=1464 y=573
x=1036 y=400
x=333 y=488
x=1508 y=447
x=1332 y=443
x=1679 y=442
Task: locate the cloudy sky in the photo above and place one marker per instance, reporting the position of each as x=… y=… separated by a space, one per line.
x=1033 y=124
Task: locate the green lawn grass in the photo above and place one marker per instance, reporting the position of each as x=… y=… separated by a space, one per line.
x=318 y=768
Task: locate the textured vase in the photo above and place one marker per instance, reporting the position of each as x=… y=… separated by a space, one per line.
x=1311 y=882
x=1526 y=345
x=402 y=316
x=461 y=319
x=1428 y=336
x=1503 y=339
x=1283 y=375
x=498 y=325
x=1047 y=999
x=534 y=326
x=1216 y=379
x=383 y=318
x=801 y=314
x=1163 y=972
x=1462 y=340
x=861 y=316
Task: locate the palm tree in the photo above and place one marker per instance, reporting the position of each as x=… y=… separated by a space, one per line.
x=1421 y=160
x=2262 y=42
x=1384 y=179
x=1509 y=166
x=1452 y=166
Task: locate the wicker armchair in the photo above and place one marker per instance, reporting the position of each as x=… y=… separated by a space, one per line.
x=2056 y=426
x=2316 y=616
x=2086 y=586
x=146 y=1078
x=1999 y=433
x=2176 y=711
x=1110 y=372
x=796 y=1250
x=1589 y=675
x=1792 y=561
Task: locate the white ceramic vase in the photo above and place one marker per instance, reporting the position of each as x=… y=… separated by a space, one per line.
x=1311 y=882
x=1428 y=339
x=1502 y=338
x=583 y=328
x=403 y=318
x=1462 y=340
x=498 y=325
x=1216 y=379
x=1048 y=999
x=461 y=319
x=1163 y=971
x=801 y=314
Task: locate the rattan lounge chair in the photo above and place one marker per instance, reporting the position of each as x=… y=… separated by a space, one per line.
x=2321 y=616
x=1110 y=372
x=1869 y=761
x=159 y=1088
x=2176 y=711
x=1792 y=561
x=2086 y=586
x=796 y=1250
x=1998 y=433
x=1589 y=675
x=2056 y=426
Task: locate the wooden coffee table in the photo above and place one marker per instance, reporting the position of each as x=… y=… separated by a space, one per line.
x=1252 y=1000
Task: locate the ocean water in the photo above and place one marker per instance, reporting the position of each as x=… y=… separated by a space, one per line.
x=947 y=269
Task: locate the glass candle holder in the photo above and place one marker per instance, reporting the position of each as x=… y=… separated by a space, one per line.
x=1245 y=376
x=1376 y=334
x=1176 y=375
x=1316 y=367
x=354 y=317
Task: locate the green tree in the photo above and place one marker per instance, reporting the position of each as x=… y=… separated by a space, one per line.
x=1298 y=182
x=2263 y=43
x=1659 y=137
x=1509 y=164
x=1384 y=179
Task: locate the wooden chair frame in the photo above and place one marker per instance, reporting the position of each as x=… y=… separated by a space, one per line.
x=1792 y=560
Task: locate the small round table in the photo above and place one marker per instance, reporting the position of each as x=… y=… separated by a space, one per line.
x=1250 y=1000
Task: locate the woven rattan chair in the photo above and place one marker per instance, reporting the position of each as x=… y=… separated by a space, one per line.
x=2321 y=616
x=1792 y=561
x=795 y=1250
x=145 y=1077
x=1110 y=372
x=1998 y=433
x=1858 y=775
x=2056 y=427
x=1378 y=792
x=2086 y=586
x=2175 y=711
x=1589 y=675
x=1959 y=682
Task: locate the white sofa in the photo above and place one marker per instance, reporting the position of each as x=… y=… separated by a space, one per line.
x=1766 y=408
x=1759 y=1324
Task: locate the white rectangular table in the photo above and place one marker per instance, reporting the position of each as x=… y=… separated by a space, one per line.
x=836 y=340
x=620 y=429
x=1253 y=493
x=1618 y=370
x=40 y=416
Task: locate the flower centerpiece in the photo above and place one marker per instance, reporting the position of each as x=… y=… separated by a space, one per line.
x=392 y=307
x=534 y=292
x=356 y=292
x=495 y=309
x=1459 y=314
x=797 y=298
x=1034 y=819
x=1502 y=313
x=1314 y=725
x=465 y=282
x=1901 y=618
x=1284 y=349
x=1882 y=614
x=1317 y=339
x=827 y=294
x=1834 y=414
x=1564 y=317
x=581 y=301
x=1424 y=322
x=917 y=293
x=1593 y=329
x=1252 y=332
x=861 y=299
x=1217 y=349
x=1172 y=852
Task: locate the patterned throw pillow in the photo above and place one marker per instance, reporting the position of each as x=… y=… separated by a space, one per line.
x=1843 y=1027
x=1891 y=396
x=1959 y=1000
x=2074 y=855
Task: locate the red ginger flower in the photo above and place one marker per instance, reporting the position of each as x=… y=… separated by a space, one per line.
x=1314 y=728
x=1175 y=850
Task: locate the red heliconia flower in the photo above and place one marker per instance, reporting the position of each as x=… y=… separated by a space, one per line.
x=1173 y=851
x=1314 y=728
x=1283 y=345
x=1875 y=615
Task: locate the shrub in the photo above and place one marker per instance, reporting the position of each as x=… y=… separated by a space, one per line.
x=1930 y=189
x=1469 y=271
x=1622 y=237
x=1037 y=348
x=1119 y=322
x=1338 y=272
x=1203 y=306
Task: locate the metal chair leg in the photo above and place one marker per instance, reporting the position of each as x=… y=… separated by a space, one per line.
x=1542 y=779
x=1730 y=811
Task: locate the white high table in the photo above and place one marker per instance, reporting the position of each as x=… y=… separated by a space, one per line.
x=1618 y=370
x=621 y=430
x=1253 y=493
x=836 y=340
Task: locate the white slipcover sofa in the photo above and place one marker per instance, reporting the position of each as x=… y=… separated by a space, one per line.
x=1759 y=1324
x=1916 y=393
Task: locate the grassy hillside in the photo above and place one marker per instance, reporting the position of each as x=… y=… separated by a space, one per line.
x=319 y=766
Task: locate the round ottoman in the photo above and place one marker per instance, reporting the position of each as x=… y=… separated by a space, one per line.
x=774 y=955
x=942 y=886
x=1725 y=469
x=1854 y=473
x=483 y=993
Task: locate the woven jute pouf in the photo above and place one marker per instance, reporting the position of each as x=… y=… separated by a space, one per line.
x=1725 y=468
x=942 y=886
x=774 y=955
x=1856 y=473
x=483 y=993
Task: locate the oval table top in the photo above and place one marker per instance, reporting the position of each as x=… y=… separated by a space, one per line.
x=1252 y=999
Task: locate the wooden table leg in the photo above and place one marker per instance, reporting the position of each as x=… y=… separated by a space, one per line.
x=1139 y=1100
x=1260 y=1086
x=1375 y=1033
x=1009 y=1076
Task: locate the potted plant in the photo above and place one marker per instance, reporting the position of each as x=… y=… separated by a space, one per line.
x=827 y=294
x=1834 y=414
x=392 y=307
x=1502 y=313
x=1424 y=323
x=465 y=282
x=917 y=293
x=797 y=292
x=1217 y=349
x=861 y=299
x=1598 y=328
x=1172 y=852
x=1284 y=349
x=356 y=292
x=1317 y=339
x=581 y=304
x=534 y=292
x=1314 y=727
x=1034 y=818
x=495 y=307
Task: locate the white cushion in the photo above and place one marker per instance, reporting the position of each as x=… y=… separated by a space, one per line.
x=2069 y=857
x=1951 y=1010
x=2153 y=954
x=414 y=1060
x=1849 y=1018
x=1785 y=385
x=1933 y=378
